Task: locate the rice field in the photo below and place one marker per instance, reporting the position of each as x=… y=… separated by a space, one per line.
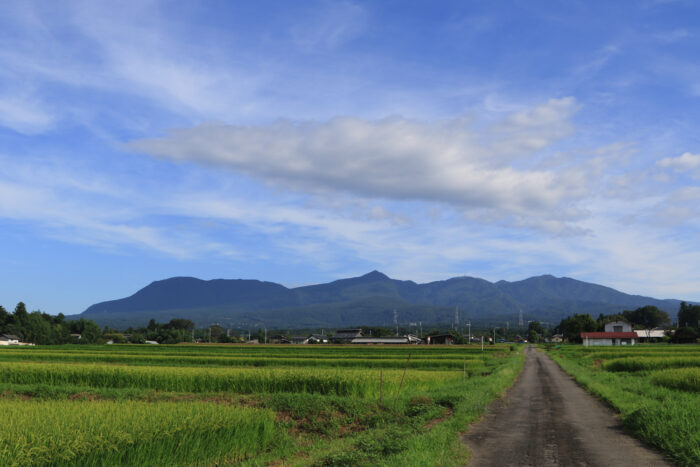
x=656 y=389
x=245 y=405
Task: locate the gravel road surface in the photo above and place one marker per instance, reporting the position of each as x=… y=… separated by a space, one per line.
x=546 y=419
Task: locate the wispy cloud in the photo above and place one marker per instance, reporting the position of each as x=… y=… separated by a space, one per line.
x=329 y=25
x=686 y=161
x=451 y=161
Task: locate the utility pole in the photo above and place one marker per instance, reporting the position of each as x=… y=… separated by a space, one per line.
x=494 y=336
x=266 y=335
x=421 y=329
x=482 y=343
x=396 y=321
x=210 y=334
x=469 y=325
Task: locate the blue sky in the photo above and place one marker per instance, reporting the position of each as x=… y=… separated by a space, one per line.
x=300 y=142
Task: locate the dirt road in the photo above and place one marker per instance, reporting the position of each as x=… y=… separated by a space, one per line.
x=546 y=419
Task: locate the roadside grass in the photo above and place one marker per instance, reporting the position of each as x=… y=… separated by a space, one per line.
x=658 y=403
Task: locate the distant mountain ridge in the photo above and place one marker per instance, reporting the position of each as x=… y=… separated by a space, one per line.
x=365 y=300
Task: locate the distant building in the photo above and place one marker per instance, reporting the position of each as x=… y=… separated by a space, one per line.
x=318 y=339
x=409 y=339
x=278 y=339
x=616 y=333
x=650 y=334
x=440 y=339
x=618 y=326
x=9 y=339
x=608 y=338
x=345 y=336
x=299 y=340
x=557 y=338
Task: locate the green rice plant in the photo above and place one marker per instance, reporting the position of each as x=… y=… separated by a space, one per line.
x=685 y=379
x=238 y=360
x=131 y=433
x=651 y=363
x=359 y=383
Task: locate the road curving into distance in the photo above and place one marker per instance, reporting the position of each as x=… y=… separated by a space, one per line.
x=546 y=419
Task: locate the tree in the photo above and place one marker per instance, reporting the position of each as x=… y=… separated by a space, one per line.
x=179 y=323
x=573 y=326
x=647 y=317
x=4 y=317
x=20 y=315
x=689 y=315
x=685 y=335
x=89 y=331
x=534 y=331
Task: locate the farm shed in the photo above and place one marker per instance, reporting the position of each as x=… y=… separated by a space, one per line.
x=650 y=335
x=440 y=339
x=608 y=338
x=299 y=339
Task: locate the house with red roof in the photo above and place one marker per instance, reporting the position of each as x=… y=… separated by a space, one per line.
x=616 y=333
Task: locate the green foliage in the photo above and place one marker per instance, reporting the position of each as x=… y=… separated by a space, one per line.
x=639 y=363
x=648 y=317
x=573 y=326
x=43 y=329
x=685 y=335
x=689 y=316
x=687 y=379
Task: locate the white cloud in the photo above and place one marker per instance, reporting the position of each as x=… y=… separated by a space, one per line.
x=451 y=161
x=686 y=161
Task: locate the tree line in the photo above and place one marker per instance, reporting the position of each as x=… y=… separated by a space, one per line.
x=44 y=329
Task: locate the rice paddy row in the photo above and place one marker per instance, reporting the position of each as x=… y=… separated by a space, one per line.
x=206 y=405
x=321 y=360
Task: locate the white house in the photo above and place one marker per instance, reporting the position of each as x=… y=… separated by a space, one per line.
x=318 y=339
x=9 y=339
x=618 y=326
x=616 y=333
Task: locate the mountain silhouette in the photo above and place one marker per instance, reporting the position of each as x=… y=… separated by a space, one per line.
x=365 y=300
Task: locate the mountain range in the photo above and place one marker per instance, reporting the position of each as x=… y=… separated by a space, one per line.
x=368 y=300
